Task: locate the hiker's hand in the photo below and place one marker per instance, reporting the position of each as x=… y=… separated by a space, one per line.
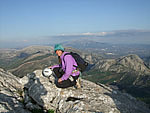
x=59 y=80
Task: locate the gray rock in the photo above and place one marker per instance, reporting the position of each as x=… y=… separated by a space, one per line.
x=37 y=92
x=92 y=98
x=11 y=92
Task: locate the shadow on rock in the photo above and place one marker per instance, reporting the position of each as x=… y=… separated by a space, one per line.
x=9 y=104
x=33 y=93
x=125 y=103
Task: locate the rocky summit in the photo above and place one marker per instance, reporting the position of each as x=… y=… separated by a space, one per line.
x=35 y=92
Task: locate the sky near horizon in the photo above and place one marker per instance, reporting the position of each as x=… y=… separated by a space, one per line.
x=25 y=19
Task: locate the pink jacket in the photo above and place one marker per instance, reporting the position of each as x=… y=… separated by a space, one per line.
x=67 y=66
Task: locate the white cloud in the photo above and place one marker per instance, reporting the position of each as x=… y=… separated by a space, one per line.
x=89 y=34
x=107 y=33
x=24 y=40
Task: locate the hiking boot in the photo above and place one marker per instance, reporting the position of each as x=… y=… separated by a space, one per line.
x=78 y=83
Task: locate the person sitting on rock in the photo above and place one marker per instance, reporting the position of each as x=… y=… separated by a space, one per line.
x=66 y=71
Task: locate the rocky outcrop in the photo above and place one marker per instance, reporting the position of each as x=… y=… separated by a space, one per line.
x=41 y=93
x=34 y=91
x=11 y=91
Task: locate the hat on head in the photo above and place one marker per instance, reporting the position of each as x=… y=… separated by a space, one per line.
x=58 y=47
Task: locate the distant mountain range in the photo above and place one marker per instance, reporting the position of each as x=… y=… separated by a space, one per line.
x=116 y=37
x=132 y=36
x=131 y=69
x=108 y=50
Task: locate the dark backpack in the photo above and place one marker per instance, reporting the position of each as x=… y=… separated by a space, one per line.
x=82 y=65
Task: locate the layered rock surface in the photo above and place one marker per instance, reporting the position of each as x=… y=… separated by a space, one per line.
x=91 y=98
x=11 y=91
x=39 y=92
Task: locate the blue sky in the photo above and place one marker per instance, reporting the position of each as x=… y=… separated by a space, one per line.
x=27 y=19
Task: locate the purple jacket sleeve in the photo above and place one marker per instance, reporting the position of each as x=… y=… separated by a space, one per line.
x=69 y=67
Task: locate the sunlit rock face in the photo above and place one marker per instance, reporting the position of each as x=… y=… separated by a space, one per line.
x=41 y=92
x=34 y=91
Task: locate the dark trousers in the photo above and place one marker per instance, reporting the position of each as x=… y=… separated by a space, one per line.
x=64 y=83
